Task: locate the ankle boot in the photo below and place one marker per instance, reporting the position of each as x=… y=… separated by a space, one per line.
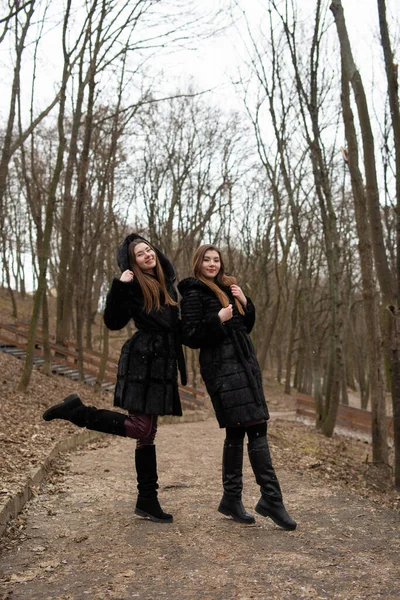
x=270 y=504
x=147 y=504
x=65 y=409
x=232 y=480
x=72 y=409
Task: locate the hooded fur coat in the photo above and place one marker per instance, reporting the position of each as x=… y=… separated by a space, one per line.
x=147 y=380
x=228 y=362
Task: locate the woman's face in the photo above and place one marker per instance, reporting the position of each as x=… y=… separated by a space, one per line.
x=145 y=257
x=211 y=264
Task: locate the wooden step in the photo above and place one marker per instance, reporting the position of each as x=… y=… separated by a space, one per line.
x=14 y=340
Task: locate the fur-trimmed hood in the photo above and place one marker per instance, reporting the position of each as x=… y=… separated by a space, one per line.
x=123 y=256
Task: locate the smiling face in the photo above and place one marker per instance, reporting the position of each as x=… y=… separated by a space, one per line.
x=145 y=257
x=211 y=264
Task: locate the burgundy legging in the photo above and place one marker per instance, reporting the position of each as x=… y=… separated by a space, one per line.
x=142 y=428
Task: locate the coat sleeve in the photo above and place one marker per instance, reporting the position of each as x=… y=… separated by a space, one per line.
x=249 y=316
x=198 y=329
x=117 y=312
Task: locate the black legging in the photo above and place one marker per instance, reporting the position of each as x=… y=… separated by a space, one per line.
x=253 y=432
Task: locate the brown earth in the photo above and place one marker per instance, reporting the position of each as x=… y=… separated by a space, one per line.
x=78 y=537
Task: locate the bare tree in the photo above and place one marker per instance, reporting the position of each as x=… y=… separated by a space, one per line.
x=376 y=370
x=352 y=75
x=50 y=207
x=393 y=87
x=14 y=9
x=21 y=32
x=279 y=94
x=184 y=173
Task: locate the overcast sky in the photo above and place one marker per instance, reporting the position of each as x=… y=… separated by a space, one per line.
x=214 y=62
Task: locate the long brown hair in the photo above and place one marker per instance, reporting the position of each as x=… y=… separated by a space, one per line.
x=151 y=286
x=222 y=278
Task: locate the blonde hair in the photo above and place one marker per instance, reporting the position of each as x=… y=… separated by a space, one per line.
x=221 y=278
x=152 y=287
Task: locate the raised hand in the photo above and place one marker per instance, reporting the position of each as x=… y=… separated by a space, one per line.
x=127 y=276
x=225 y=314
x=237 y=293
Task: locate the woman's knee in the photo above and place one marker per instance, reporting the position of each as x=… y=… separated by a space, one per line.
x=257 y=431
x=235 y=433
x=149 y=433
x=141 y=427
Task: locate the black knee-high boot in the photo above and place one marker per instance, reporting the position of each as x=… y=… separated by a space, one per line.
x=270 y=504
x=232 y=479
x=72 y=409
x=147 y=504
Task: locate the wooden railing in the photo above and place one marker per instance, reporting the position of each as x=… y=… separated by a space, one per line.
x=17 y=335
x=66 y=357
x=348 y=417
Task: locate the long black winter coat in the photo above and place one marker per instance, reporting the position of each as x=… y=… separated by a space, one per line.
x=147 y=380
x=228 y=362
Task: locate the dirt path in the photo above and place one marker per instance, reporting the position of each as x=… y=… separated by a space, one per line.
x=79 y=538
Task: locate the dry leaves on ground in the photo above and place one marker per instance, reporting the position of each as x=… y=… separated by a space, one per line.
x=26 y=439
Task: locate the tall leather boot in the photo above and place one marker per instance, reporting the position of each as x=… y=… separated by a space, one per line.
x=232 y=480
x=72 y=409
x=270 y=504
x=147 y=504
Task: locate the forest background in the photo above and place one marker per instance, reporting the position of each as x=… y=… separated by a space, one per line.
x=291 y=164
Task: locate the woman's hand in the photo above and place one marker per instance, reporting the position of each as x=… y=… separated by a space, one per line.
x=225 y=314
x=237 y=293
x=127 y=276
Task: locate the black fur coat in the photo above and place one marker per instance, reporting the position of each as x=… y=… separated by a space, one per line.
x=147 y=380
x=228 y=362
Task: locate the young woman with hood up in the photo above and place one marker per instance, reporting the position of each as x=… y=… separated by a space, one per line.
x=217 y=318
x=147 y=379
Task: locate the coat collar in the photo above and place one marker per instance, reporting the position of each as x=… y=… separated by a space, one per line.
x=191 y=283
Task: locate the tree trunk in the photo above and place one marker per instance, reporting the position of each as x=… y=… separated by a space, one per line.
x=193 y=363
x=15 y=88
x=82 y=191
x=279 y=366
x=393 y=88
x=64 y=284
x=309 y=105
x=395 y=362
x=345 y=395
x=6 y=270
x=377 y=378
x=50 y=208
x=103 y=359
x=289 y=356
x=46 y=367
x=371 y=189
